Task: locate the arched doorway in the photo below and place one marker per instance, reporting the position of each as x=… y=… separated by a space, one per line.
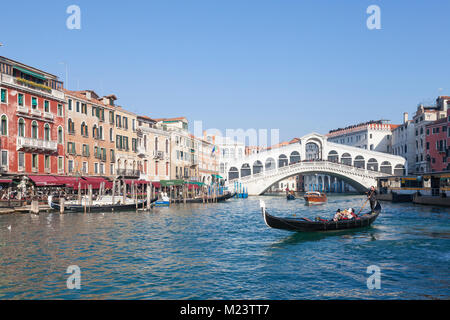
x=282 y=161
x=372 y=164
x=233 y=173
x=359 y=162
x=257 y=167
x=294 y=157
x=333 y=156
x=270 y=164
x=245 y=170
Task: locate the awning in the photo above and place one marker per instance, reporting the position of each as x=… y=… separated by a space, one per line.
x=70 y=182
x=5 y=181
x=95 y=182
x=31 y=73
x=195 y=183
x=43 y=181
x=156 y=184
x=136 y=182
x=217 y=176
x=169 y=183
x=192 y=186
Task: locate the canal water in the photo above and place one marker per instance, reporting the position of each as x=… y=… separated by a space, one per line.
x=225 y=251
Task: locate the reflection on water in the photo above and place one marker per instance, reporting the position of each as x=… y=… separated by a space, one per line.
x=225 y=251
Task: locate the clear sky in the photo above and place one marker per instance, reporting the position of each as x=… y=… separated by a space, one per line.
x=298 y=66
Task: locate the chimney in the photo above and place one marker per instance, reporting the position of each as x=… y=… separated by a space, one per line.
x=88 y=95
x=405 y=117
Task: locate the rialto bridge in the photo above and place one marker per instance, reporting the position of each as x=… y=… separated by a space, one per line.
x=313 y=154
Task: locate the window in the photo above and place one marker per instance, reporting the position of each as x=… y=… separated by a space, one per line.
x=125 y=123
x=85 y=167
x=111 y=169
x=34 y=162
x=46 y=106
x=69 y=105
x=156 y=168
x=21 y=161
x=21 y=128
x=60 y=164
x=85 y=150
x=112 y=159
x=47 y=132
x=4 y=125
x=102 y=168
x=3 y=96
x=47 y=162
x=60 y=110
x=119 y=142
x=78 y=106
x=70 y=166
x=96 y=168
x=167 y=146
x=4 y=159
x=20 y=99
x=34 y=130
x=133 y=124
x=34 y=103
x=118 y=122
x=60 y=135
x=125 y=143
x=167 y=168
x=111 y=135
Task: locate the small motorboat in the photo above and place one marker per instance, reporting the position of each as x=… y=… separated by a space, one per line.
x=163 y=202
x=290 y=196
x=315 y=197
x=307 y=225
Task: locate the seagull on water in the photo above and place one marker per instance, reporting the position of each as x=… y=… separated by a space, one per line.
x=9 y=228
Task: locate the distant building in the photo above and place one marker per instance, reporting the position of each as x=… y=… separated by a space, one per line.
x=424 y=116
x=227 y=149
x=372 y=135
x=438 y=144
x=403 y=142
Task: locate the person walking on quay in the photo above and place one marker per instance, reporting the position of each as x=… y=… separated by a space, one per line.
x=372 y=196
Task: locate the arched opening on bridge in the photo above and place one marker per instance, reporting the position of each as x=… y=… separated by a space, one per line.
x=312 y=150
x=294 y=157
x=245 y=170
x=346 y=159
x=270 y=164
x=372 y=164
x=399 y=170
x=333 y=156
x=386 y=167
x=359 y=162
x=282 y=161
x=233 y=173
x=257 y=167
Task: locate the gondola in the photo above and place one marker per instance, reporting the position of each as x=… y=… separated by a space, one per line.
x=221 y=198
x=290 y=197
x=306 y=225
x=99 y=207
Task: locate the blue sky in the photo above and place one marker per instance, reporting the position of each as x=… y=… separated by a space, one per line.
x=297 y=66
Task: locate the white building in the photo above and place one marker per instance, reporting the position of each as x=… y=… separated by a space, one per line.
x=227 y=149
x=372 y=135
x=403 y=142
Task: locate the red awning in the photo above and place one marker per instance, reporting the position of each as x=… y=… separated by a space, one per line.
x=5 y=180
x=190 y=186
x=136 y=182
x=156 y=184
x=70 y=182
x=95 y=182
x=43 y=181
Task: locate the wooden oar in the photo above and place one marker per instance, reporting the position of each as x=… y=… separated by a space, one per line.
x=365 y=203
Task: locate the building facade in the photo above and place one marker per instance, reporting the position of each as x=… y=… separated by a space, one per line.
x=403 y=142
x=438 y=144
x=32 y=120
x=89 y=135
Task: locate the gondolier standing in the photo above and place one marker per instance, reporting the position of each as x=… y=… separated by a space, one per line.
x=372 y=196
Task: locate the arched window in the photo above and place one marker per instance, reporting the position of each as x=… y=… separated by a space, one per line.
x=47 y=132
x=167 y=146
x=60 y=135
x=21 y=127
x=4 y=125
x=94 y=132
x=34 y=130
x=70 y=126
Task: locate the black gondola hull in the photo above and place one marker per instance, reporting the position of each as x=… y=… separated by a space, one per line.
x=102 y=208
x=300 y=225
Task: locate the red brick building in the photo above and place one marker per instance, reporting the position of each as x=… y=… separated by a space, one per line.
x=32 y=120
x=438 y=144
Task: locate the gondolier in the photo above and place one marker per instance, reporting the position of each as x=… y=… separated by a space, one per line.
x=372 y=196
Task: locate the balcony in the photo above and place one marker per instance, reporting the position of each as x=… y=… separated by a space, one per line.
x=49 y=115
x=141 y=152
x=128 y=172
x=36 y=112
x=36 y=145
x=22 y=109
x=158 y=155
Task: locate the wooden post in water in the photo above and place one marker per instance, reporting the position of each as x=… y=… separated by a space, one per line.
x=34 y=207
x=90 y=197
x=79 y=193
x=61 y=205
x=148 y=196
x=124 y=191
x=113 y=190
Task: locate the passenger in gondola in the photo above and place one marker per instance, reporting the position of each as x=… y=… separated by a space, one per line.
x=337 y=215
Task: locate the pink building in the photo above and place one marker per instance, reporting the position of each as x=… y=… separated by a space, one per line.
x=438 y=144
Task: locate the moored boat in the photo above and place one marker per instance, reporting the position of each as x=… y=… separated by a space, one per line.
x=102 y=205
x=315 y=197
x=307 y=225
